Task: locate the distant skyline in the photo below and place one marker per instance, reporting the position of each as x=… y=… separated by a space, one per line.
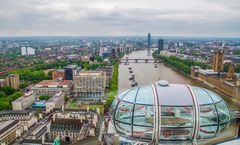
x=199 y=18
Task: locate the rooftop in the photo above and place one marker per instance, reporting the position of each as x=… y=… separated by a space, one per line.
x=60 y=70
x=71 y=66
x=55 y=97
x=74 y=122
x=15 y=112
x=87 y=73
x=26 y=96
x=6 y=125
x=12 y=75
x=53 y=83
x=210 y=72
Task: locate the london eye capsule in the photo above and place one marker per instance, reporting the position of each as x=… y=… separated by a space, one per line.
x=169 y=113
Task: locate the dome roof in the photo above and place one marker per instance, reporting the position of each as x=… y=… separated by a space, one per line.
x=165 y=112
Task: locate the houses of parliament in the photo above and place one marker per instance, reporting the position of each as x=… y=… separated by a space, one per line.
x=225 y=82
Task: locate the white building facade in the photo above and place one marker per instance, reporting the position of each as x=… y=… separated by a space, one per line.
x=90 y=85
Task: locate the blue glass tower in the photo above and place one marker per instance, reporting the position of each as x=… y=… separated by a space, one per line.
x=149 y=43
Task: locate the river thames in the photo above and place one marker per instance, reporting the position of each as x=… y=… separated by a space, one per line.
x=147 y=73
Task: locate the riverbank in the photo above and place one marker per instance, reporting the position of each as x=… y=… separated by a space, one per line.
x=113 y=87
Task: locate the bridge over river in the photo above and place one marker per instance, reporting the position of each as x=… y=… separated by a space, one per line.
x=139 y=60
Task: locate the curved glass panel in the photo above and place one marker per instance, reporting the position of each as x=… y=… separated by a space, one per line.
x=145 y=96
x=121 y=95
x=202 y=96
x=176 y=123
x=113 y=107
x=130 y=96
x=208 y=115
x=142 y=132
x=223 y=112
x=124 y=129
x=176 y=116
x=124 y=112
x=143 y=115
x=207 y=131
x=223 y=127
x=175 y=134
x=214 y=96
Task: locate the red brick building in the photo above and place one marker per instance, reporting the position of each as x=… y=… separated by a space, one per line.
x=58 y=74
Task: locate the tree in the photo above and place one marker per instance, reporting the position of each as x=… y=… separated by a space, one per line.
x=44 y=97
x=16 y=95
x=99 y=58
x=5 y=105
x=113 y=87
x=7 y=90
x=49 y=75
x=23 y=85
x=2 y=94
x=66 y=98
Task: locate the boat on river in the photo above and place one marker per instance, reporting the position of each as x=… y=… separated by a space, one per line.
x=131 y=77
x=134 y=83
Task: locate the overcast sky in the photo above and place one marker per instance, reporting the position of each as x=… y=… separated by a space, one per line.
x=219 y=18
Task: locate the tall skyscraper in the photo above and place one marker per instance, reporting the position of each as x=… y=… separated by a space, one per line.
x=113 y=53
x=27 y=51
x=12 y=81
x=149 y=41
x=160 y=45
x=30 y=51
x=24 y=50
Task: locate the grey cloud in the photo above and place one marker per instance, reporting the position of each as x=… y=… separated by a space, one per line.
x=58 y=17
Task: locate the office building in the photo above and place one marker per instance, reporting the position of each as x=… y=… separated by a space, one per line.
x=89 y=85
x=109 y=72
x=149 y=41
x=160 y=45
x=57 y=101
x=2 y=82
x=102 y=50
x=69 y=72
x=13 y=81
x=52 y=87
x=27 y=51
x=58 y=74
x=24 y=101
x=24 y=50
x=113 y=52
x=9 y=131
